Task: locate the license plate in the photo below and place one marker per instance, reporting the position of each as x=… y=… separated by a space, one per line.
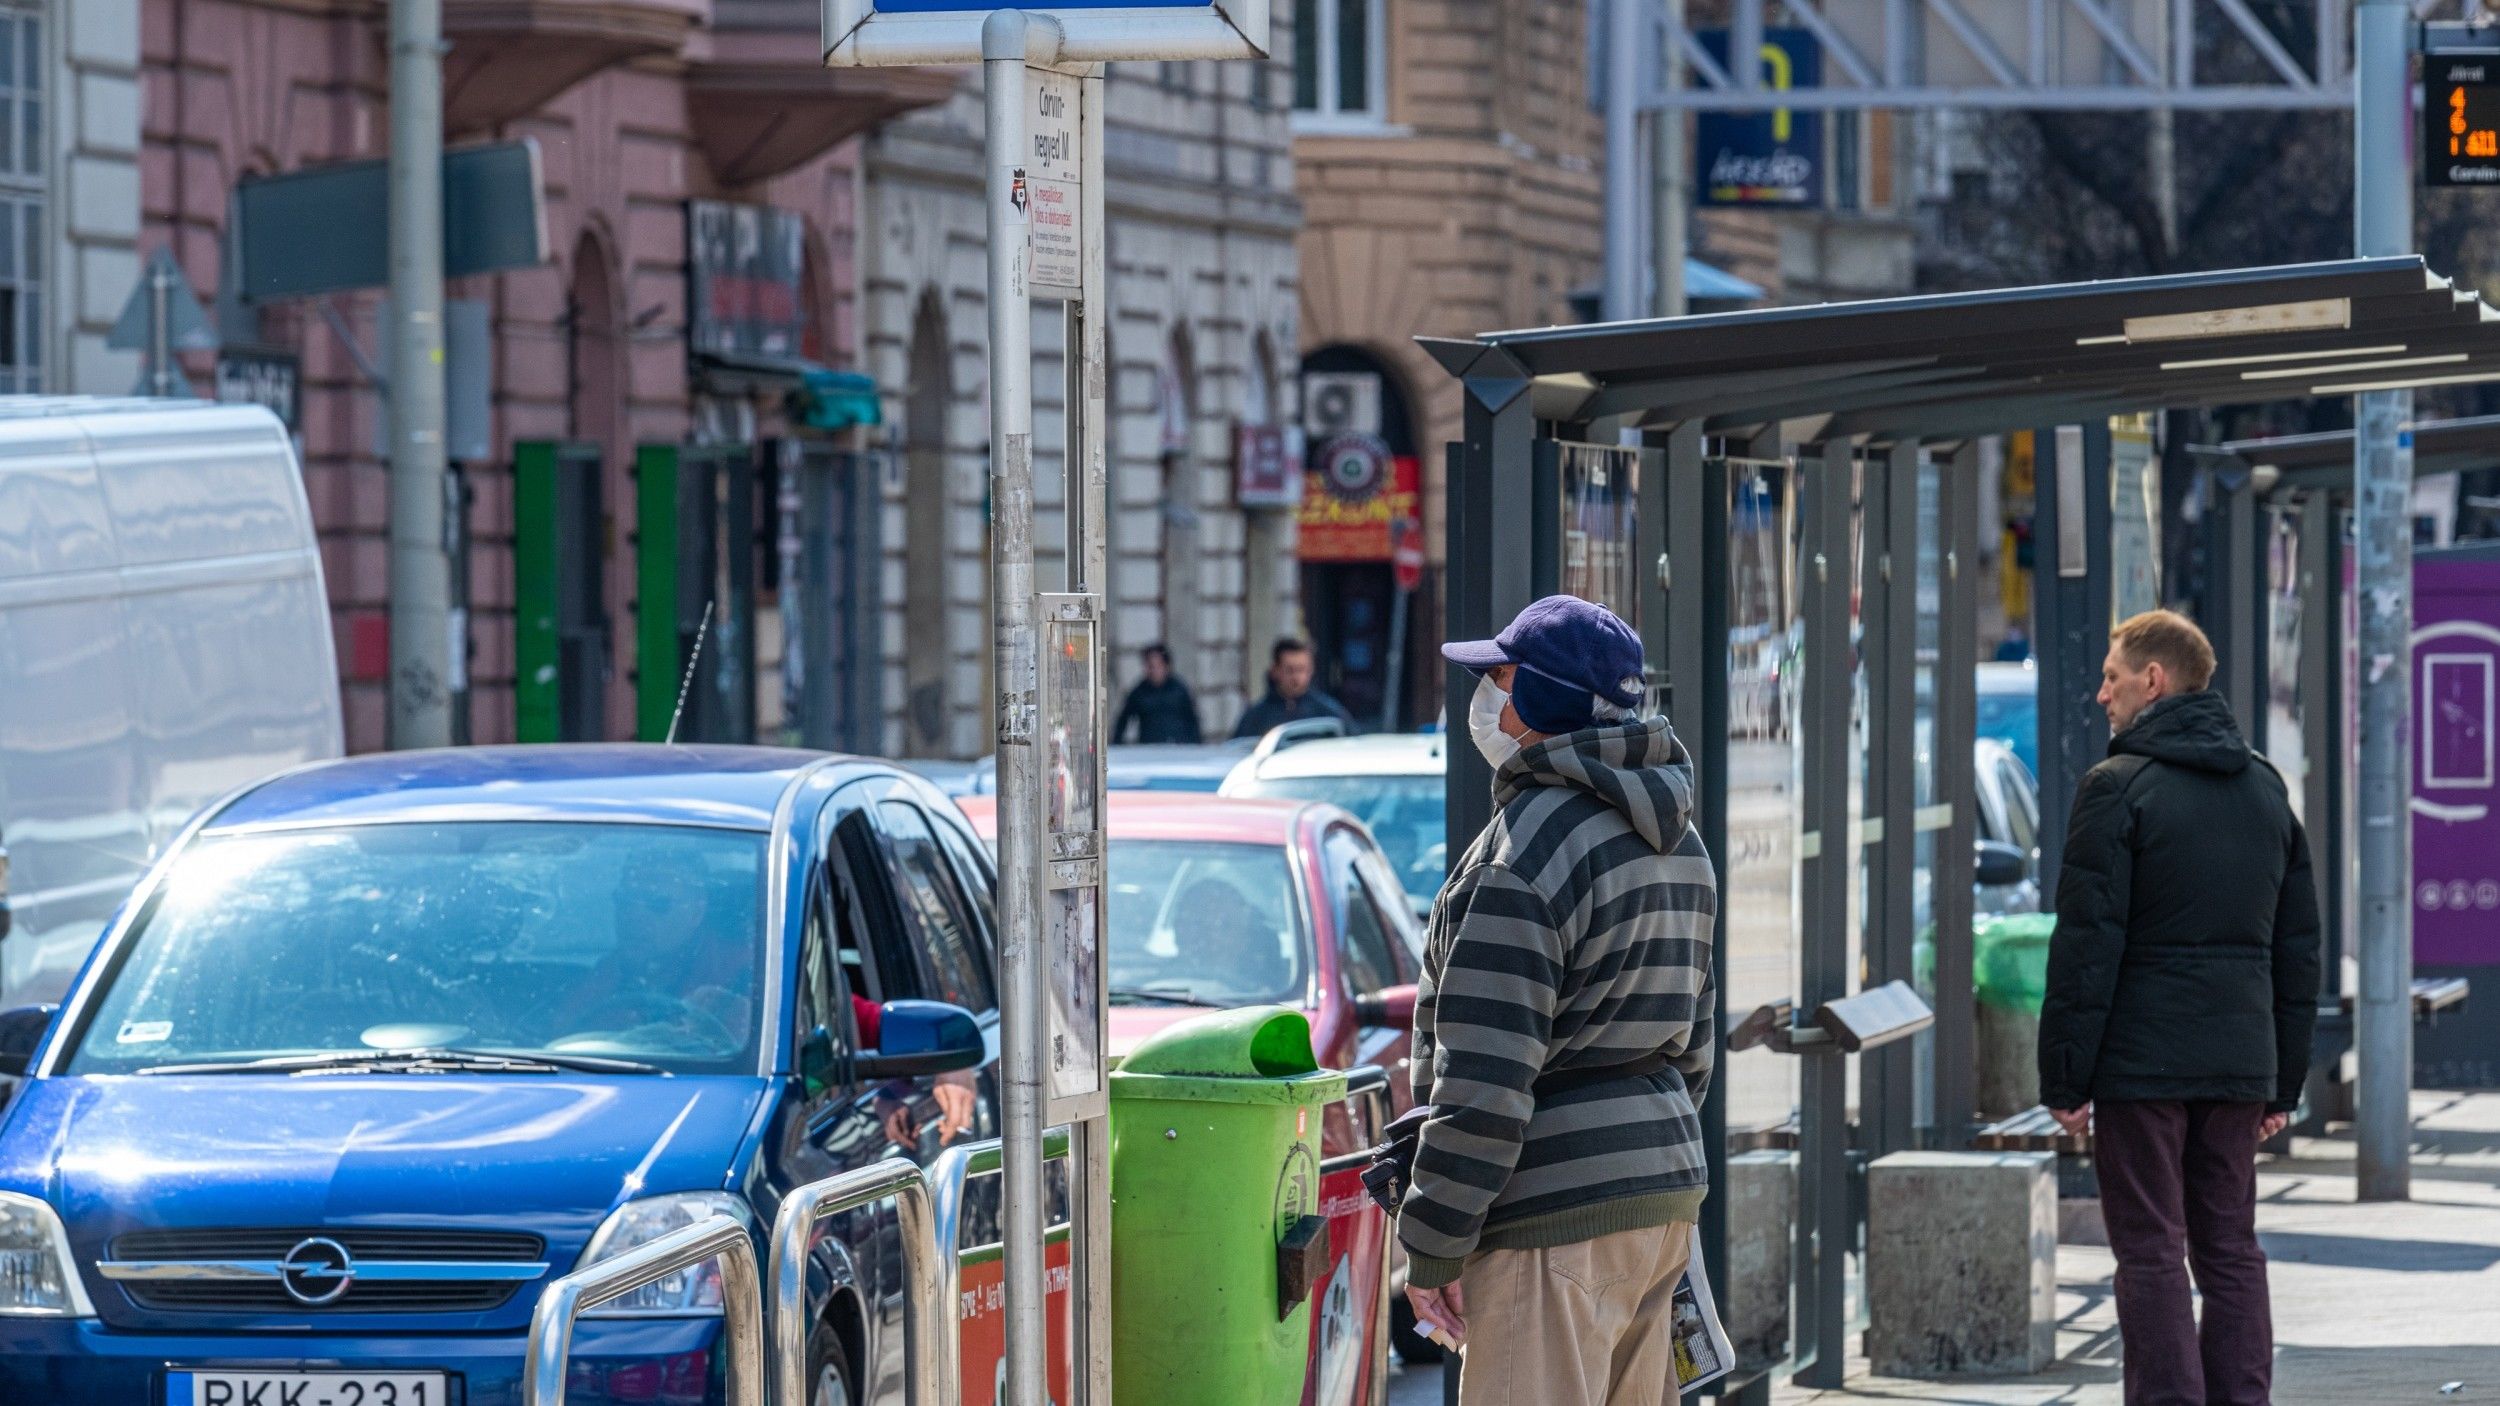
x=197 y=1388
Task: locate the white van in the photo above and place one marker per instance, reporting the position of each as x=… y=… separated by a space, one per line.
x=164 y=638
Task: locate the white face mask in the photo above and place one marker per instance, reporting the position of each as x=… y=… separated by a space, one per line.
x=1484 y=723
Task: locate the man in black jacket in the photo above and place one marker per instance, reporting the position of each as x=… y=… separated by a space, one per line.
x=2183 y=985
x=1159 y=707
x=1290 y=697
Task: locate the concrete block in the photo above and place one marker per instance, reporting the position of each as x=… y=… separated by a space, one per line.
x=1761 y=1233
x=1961 y=1263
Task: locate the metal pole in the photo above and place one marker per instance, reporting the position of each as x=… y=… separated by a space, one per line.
x=1007 y=38
x=1666 y=158
x=2383 y=539
x=1626 y=173
x=1819 y=1323
x=160 y=329
x=421 y=642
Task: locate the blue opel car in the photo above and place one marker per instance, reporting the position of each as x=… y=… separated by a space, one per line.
x=381 y=1047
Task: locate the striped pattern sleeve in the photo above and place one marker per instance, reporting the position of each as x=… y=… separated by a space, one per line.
x=1491 y=1018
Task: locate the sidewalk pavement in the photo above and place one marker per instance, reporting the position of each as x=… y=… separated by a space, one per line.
x=2372 y=1304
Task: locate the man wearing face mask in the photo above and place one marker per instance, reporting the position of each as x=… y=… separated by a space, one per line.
x=1563 y=1031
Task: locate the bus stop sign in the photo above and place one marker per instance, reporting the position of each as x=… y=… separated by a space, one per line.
x=874 y=33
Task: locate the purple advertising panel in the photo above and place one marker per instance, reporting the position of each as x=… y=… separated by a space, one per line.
x=2456 y=769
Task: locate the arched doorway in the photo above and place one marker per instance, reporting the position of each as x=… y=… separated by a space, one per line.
x=1362 y=496
x=927 y=651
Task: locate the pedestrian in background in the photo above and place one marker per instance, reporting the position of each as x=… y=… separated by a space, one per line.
x=1160 y=705
x=2182 y=989
x=1290 y=697
x=1563 y=1032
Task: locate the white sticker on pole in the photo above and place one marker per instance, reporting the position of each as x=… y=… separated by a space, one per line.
x=1055 y=167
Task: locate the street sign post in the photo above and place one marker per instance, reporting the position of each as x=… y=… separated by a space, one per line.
x=1042 y=68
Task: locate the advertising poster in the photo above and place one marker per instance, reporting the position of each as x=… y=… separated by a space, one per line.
x=1770 y=158
x=1354 y=493
x=982 y=1315
x=2456 y=774
x=1343 y=1308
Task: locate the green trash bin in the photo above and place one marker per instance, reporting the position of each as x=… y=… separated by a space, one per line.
x=1216 y=1236
x=2009 y=978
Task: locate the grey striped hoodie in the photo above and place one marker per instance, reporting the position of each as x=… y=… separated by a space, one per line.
x=1574 y=934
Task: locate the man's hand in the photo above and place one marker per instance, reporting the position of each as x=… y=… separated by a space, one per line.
x=2076 y=1121
x=955 y=1100
x=1445 y=1307
x=2272 y=1124
x=895 y=1116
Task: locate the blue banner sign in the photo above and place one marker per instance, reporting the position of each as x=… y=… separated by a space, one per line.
x=1770 y=158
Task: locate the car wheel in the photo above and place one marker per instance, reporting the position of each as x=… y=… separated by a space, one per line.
x=1414 y=1349
x=828 y=1370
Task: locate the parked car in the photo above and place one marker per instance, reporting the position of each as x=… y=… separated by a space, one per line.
x=165 y=637
x=1223 y=903
x=1217 y=904
x=1391 y=781
x=1138 y=766
x=381 y=1047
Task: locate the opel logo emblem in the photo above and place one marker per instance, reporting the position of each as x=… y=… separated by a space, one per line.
x=317 y=1271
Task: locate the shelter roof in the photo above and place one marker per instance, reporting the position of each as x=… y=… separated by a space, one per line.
x=1949 y=365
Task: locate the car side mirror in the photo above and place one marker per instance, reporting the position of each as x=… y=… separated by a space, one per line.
x=819 y=1064
x=916 y=1038
x=21 y=1030
x=1394 y=1006
x=2000 y=864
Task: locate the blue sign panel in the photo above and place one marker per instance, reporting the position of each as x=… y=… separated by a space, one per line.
x=1770 y=158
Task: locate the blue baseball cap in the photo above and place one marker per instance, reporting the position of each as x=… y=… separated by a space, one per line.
x=1570 y=652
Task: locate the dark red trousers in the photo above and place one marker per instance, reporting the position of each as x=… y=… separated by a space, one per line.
x=2179 y=1192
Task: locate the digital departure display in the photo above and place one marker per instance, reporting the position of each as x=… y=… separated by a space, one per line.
x=2461 y=119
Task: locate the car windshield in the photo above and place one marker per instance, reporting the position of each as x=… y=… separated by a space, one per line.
x=1404 y=813
x=1204 y=924
x=597 y=941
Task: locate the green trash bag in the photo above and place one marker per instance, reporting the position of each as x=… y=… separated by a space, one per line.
x=2010 y=960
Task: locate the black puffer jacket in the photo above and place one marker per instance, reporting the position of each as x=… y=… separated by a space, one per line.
x=2185 y=964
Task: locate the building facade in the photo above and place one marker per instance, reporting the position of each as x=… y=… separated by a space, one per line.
x=1447 y=158
x=1202 y=226
x=69 y=193
x=640 y=423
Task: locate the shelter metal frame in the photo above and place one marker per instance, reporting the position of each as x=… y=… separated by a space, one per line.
x=1855 y=394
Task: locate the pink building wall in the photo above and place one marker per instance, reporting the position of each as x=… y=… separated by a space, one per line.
x=240 y=88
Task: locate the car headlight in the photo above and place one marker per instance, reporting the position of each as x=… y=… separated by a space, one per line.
x=37 y=1277
x=637 y=1223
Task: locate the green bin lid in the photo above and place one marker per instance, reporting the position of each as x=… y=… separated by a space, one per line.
x=1259 y=1054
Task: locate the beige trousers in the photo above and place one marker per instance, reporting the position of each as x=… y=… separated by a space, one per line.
x=1591 y=1324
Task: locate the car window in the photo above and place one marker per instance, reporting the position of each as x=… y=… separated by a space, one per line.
x=1204 y=923
x=1362 y=938
x=2022 y=814
x=974 y=872
x=1407 y=815
x=641 y=942
x=874 y=945
x=936 y=913
x=1397 y=912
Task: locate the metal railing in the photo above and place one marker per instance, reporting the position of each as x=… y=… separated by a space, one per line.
x=931 y=1365
x=742 y=1306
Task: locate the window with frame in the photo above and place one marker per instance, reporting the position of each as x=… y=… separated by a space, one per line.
x=1363 y=937
x=1340 y=61
x=22 y=222
x=935 y=910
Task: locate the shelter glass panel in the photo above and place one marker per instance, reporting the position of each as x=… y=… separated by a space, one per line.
x=2283 y=741
x=1765 y=636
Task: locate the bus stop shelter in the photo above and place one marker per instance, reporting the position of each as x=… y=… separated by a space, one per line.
x=1785 y=502
x=2277 y=526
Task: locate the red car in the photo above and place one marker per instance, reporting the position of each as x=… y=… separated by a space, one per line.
x=1217 y=903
